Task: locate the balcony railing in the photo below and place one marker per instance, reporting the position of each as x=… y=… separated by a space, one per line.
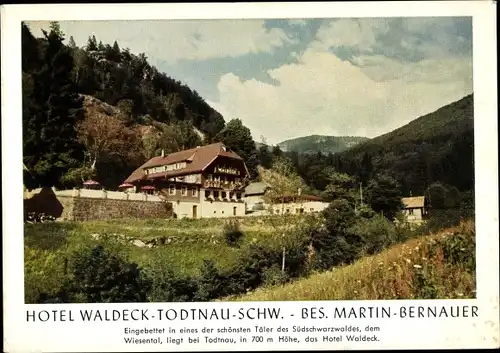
x=226 y=185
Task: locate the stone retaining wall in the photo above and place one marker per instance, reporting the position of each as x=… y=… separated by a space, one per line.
x=70 y=208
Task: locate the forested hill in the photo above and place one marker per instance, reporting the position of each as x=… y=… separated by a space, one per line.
x=59 y=141
x=437 y=147
x=318 y=143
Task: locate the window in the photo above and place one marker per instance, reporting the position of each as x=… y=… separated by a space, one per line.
x=223 y=194
x=410 y=211
x=184 y=191
x=216 y=194
x=171 y=190
x=238 y=196
x=194 y=192
x=210 y=177
x=231 y=195
x=207 y=194
x=311 y=209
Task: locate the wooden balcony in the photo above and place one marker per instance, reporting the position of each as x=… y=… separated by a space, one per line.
x=225 y=185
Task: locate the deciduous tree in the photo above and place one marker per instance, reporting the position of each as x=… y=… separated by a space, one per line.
x=238 y=138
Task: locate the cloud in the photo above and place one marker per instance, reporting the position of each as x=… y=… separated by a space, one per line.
x=361 y=34
x=322 y=94
x=297 y=22
x=408 y=39
x=172 y=41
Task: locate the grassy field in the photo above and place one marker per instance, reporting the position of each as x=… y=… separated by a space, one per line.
x=438 y=265
x=189 y=243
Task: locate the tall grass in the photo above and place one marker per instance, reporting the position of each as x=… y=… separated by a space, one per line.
x=440 y=265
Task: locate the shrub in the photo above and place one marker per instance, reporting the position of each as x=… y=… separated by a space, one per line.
x=332 y=243
x=211 y=284
x=273 y=276
x=460 y=250
x=232 y=233
x=100 y=276
x=246 y=274
x=43 y=274
x=168 y=285
x=375 y=234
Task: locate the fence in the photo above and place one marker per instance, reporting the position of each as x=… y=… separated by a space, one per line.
x=103 y=194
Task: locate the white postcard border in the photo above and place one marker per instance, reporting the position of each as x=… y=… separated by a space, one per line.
x=459 y=333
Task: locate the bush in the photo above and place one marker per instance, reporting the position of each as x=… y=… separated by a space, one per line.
x=232 y=233
x=273 y=276
x=211 y=284
x=168 y=285
x=99 y=276
x=333 y=244
x=44 y=274
x=375 y=233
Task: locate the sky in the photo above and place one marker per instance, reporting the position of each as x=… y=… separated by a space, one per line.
x=290 y=78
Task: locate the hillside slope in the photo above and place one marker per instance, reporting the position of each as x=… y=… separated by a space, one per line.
x=320 y=143
x=436 y=147
x=434 y=266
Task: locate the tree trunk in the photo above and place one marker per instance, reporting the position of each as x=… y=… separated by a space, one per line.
x=283 y=261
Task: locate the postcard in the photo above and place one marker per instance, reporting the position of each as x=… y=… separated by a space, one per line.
x=250 y=176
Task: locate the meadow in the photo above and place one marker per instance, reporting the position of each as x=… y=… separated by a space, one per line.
x=439 y=265
x=195 y=261
x=186 y=244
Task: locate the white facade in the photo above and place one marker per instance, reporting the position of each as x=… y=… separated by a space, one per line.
x=413 y=215
x=222 y=209
x=254 y=200
x=299 y=207
x=209 y=208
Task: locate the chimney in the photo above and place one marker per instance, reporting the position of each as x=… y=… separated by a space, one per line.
x=162 y=152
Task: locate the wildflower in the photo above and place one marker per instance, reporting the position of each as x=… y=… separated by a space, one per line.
x=355 y=292
x=424 y=258
x=417 y=266
x=408 y=260
x=460 y=294
x=462 y=249
x=417 y=248
x=359 y=281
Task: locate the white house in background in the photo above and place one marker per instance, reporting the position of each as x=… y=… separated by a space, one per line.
x=415 y=209
x=293 y=204
x=202 y=182
x=254 y=196
x=299 y=204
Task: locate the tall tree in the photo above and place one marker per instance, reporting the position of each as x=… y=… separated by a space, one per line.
x=276 y=151
x=341 y=186
x=365 y=172
x=92 y=44
x=71 y=43
x=102 y=134
x=238 y=138
x=383 y=194
x=50 y=143
x=265 y=157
